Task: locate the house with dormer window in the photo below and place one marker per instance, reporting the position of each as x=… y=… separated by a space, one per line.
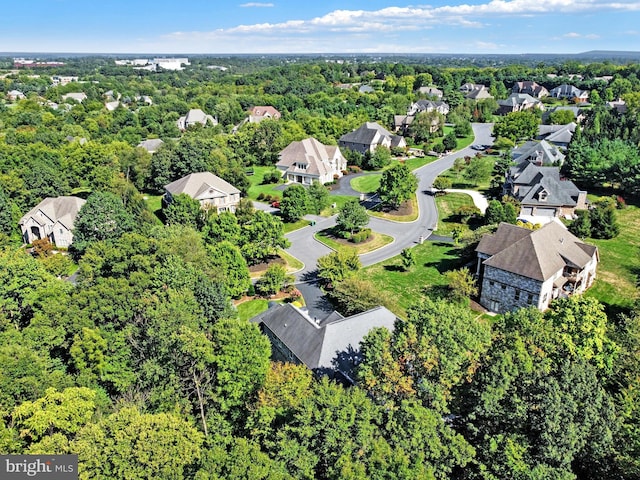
x=208 y=189
x=542 y=192
x=308 y=160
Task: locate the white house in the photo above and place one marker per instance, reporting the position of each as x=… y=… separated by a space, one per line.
x=52 y=218
x=309 y=160
x=208 y=189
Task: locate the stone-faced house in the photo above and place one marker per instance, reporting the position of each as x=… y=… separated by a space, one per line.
x=571 y=93
x=309 y=160
x=530 y=88
x=517 y=102
x=539 y=153
x=52 y=218
x=518 y=267
x=208 y=189
x=195 y=116
x=368 y=137
x=541 y=191
x=329 y=346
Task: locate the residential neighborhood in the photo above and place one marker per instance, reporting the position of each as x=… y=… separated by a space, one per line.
x=321 y=265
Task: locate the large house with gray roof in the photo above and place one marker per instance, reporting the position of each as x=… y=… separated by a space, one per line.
x=309 y=160
x=539 y=153
x=517 y=102
x=559 y=135
x=208 y=189
x=52 y=218
x=368 y=137
x=542 y=192
x=422 y=106
x=328 y=346
x=530 y=88
x=518 y=267
x=570 y=92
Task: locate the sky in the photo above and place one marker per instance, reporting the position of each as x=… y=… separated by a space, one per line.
x=321 y=26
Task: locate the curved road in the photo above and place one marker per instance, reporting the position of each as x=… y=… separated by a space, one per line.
x=305 y=248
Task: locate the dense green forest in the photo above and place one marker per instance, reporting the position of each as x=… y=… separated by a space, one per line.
x=139 y=363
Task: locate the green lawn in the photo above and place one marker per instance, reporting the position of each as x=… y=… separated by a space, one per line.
x=366 y=183
x=447 y=206
x=459 y=181
x=339 y=200
x=377 y=240
x=290 y=227
x=417 y=162
x=154 y=204
x=619 y=264
x=462 y=142
x=256 y=180
x=251 y=308
x=401 y=288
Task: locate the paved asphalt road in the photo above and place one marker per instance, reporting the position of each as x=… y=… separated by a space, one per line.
x=305 y=248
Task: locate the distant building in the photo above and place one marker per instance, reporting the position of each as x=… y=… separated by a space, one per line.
x=151 y=145
x=430 y=91
x=517 y=102
x=77 y=96
x=259 y=113
x=427 y=106
x=14 y=95
x=63 y=80
x=474 y=91
x=195 y=117
x=530 y=88
x=52 y=218
x=571 y=93
x=170 y=63
x=559 y=135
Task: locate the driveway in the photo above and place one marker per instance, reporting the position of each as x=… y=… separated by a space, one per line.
x=308 y=250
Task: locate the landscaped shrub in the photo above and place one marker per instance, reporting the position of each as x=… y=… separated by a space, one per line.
x=354 y=169
x=271 y=177
x=362 y=236
x=260 y=196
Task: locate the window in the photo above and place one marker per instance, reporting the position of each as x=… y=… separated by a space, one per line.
x=504 y=287
x=544 y=299
x=492 y=283
x=530 y=298
x=516 y=295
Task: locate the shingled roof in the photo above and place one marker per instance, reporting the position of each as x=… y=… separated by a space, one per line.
x=57 y=209
x=320 y=344
x=197 y=183
x=309 y=152
x=531 y=179
x=537 y=254
x=371 y=133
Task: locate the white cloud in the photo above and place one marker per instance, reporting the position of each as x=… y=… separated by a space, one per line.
x=590 y=36
x=361 y=30
x=257 y=5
